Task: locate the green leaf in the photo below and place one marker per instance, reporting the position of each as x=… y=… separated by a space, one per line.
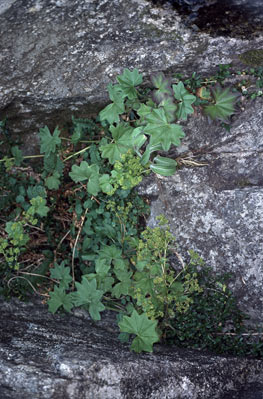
x=106 y=283
x=163 y=84
x=122 y=142
x=102 y=267
x=128 y=80
x=138 y=138
x=87 y=294
x=48 y=142
x=17 y=154
x=143 y=328
x=35 y=191
x=144 y=111
x=77 y=134
x=53 y=182
x=116 y=93
x=169 y=109
x=79 y=210
x=224 y=104
x=163 y=166
x=93 y=186
x=16 y=232
x=177 y=288
x=140 y=265
x=143 y=282
x=122 y=288
x=111 y=152
x=111 y=253
x=59 y=298
x=112 y=111
x=162 y=131
x=148 y=151
x=38 y=205
x=84 y=172
x=105 y=185
x=20 y=199
x=61 y=273
x=122 y=134
x=185 y=98
x=53 y=163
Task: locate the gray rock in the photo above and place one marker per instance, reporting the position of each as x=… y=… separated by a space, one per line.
x=5 y=4
x=217 y=209
x=57 y=56
x=45 y=356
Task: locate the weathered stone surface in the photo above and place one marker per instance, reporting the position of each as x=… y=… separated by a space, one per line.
x=217 y=209
x=68 y=356
x=57 y=56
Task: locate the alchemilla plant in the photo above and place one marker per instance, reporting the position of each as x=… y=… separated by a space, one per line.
x=73 y=227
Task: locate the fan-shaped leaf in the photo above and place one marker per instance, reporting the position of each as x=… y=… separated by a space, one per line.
x=143 y=328
x=185 y=100
x=224 y=104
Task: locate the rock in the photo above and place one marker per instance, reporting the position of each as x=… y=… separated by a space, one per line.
x=217 y=209
x=57 y=56
x=45 y=356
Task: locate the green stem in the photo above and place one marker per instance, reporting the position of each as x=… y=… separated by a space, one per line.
x=81 y=141
x=115 y=310
x=120 y=308
x=76 y=153
x=25 y=157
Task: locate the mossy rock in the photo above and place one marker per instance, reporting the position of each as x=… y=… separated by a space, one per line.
x=253 y=58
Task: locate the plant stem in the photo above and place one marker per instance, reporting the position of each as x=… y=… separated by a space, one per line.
x=76 y=153
x=25 y=157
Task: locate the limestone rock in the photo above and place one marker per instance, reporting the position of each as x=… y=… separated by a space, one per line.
x=45 y=356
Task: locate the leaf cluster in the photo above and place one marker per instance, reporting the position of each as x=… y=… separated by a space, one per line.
x=213 y=320
x=147 y=125
x=73 y=229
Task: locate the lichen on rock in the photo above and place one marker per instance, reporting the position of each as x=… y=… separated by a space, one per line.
x=252 y=58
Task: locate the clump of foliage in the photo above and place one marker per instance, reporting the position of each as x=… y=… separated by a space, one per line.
x=146 y=124
x=252 y=82
x=250 y=86
x=213 y=320
x=73 y=228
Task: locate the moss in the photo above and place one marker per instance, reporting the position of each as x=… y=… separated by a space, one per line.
x=244 y=183
x=253 y=58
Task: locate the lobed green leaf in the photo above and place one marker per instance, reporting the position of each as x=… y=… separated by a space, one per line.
x=49 y=142
x=61 y=273
x=143 y=328
x=128 y=80
x=122 y=142
x=224 y=104
x=59 y=298
x=112 y=111
x=185 y=100
x=88 y=294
